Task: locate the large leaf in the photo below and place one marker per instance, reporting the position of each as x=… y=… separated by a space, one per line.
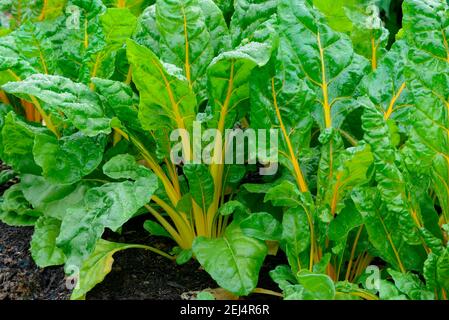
x=68 y=159
x=228 y=77
x=234 y=260
x=426 y=28
x=107 y=206
x=295 y=236
x=185 y=40
x=384 y=105
x=60 y=95
x=166 y=100
x=120 y=98
x=53 y=199
x=382 y=226
x=361 y=19
x=324 y=58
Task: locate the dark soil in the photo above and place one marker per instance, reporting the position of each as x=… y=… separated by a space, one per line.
x=20 y=278
x=136 y=274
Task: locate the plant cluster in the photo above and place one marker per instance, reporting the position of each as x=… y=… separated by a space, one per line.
x=91 y=91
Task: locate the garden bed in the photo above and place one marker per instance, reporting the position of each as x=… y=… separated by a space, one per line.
x=136 y=274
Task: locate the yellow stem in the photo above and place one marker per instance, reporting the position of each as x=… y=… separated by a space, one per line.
x=44 y=10
x=269 y=292
x=354 y=246
x=4 y=98
x=129 y=75
x=373 y=54
x=175 y=235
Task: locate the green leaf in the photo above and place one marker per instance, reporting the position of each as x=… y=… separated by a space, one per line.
x=6 y=175
x=35 y=47
x=362 y=21
x=70 y=158
x=219 y=34
x=384 y=104
x=248 y=16
x=234 y=260
x=107 y=206
x=228 y=76
x=204 y=295
x=184 y=256
x=316 y=286
x=295 y=235
x=147 y=33
x=325 y=59
x=442 y=270
x=382 y=226
x=348 y=219
x=95 y=268
x=43 y=243
x=350 y=170
x=411 y=285
x=201 y=184
x=185 y=40
x=427 y=70
x=15 y=210
x=120 y=98
x=53 y=199
x=262 y=226
x=118 y=25
x=12 y=65
x=284 y=194
x=77 y=102
x=166 y=100
x=232 y=206
x=283 y=276
x=155 y=229
x=18 y=142
x=124 y=166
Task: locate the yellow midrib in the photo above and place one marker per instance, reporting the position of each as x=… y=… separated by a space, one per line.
x=186 y=40
x=393 y=101
x=324 y=87
x=297 y=169
x=373 y=54
x=44 y=10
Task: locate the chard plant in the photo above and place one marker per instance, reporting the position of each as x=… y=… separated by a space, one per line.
x=102 y=103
